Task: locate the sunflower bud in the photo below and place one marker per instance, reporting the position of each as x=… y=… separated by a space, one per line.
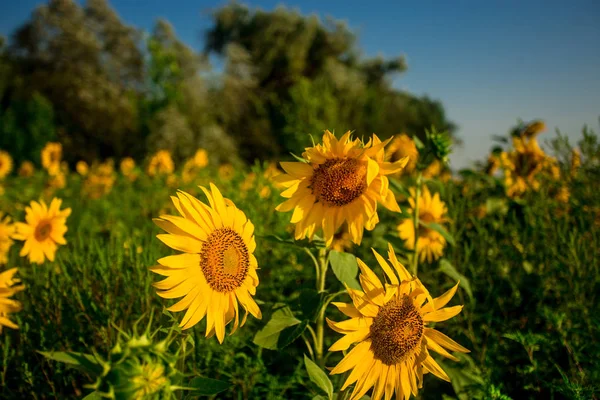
x=138 y=368
x=437 y=146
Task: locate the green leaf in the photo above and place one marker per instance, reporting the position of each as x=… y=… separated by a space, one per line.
x=291 y=333
x=318 y=377
x=439 y=229
x=308 y=303
x=207 y=386
x=344 y=268
x=268 y=337
x=447 y=268
x=465 y=377
x=85 y=362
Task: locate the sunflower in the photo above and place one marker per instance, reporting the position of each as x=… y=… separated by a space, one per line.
x=51 y=157
x=341 y=181
x=525 y=164
x=403 y=146
x=389 y=323
x=7 y=230
x=226 y=172
x=201 y=158
x=44 y=229
x=26 y=169
x=127 y=166
x=82 y=168
x=430 y=244
x=217 y=269
x=6 y=164
x=8 y=287
x=161 y=163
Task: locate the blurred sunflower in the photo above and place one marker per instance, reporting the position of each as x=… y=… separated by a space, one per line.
x=82 y=168
x=226 y=172
x=26 y=169
x=51 y=157
x=341 y=181
x=7 y=230
x=6 y=164
x=533 y=129
x=9 y=285
x=217 y=269
x=100 y=180
x=44 y=229
x=201 y=158
x=524 y=164
x=430 y=244
x=127 y=166
x=389 y=323
x=403 y=146
x=161 y=163
x=433 y=170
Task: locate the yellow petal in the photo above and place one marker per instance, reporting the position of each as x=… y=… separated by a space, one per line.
x=353 y=358
x=347 y=309
x=444 y=340
x=181 y=261
x=181 y=243
x=442 y=314
x=386 y=268
x=347 y=340
x=433 y=367
x=372 y=170
x=298 y=170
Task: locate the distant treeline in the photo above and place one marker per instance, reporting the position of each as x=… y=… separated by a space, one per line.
x=79 y=75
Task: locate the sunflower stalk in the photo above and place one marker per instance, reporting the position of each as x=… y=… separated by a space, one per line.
x=415 y=217
x=322 y=274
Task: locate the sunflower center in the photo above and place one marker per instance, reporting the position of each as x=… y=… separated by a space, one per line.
x=396 y=331
x=42 y=231
x=339 y=182
x=224 y=260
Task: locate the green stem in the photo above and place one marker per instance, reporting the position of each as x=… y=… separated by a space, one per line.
x=323 y=263
x=415 y=216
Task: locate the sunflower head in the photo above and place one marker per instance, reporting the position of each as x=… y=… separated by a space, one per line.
x=533 y=129
x=127 y=166
x=403 y=146
x=389 y=324
x=6 y=164
x=338 y=181
x=51 y=157
x=430 y=243
x=201 y=158
x=216 y=272
x=26 y=169
x=82 y=168
x=9 y=285
x=160 y=163
x=7 y=230
x=43 y=230
x=226 y=172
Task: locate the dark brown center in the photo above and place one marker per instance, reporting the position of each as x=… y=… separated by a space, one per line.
x=339 y=182
x=42 y=231
x=224 y=260
x=396 y=331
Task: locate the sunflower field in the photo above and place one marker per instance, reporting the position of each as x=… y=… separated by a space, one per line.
x=359 y=269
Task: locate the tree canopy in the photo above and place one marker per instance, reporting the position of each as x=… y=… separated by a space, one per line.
x=79 y=74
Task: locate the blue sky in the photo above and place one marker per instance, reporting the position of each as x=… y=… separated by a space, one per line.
x=489 y=62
